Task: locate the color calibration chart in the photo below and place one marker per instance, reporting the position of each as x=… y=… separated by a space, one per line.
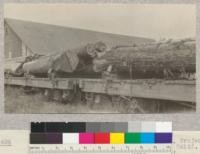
x=101 y=137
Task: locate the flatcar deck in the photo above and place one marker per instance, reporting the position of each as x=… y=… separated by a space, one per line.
x=175 y=90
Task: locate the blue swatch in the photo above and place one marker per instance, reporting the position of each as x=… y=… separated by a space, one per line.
x=148 y=138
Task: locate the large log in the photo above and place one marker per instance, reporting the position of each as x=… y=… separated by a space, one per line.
x=150 y=60
x=57 y=62
x=66 y=62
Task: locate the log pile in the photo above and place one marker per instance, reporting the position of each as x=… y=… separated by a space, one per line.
x=156 y=60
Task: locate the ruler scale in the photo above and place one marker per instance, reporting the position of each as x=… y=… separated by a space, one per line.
x=101 y=149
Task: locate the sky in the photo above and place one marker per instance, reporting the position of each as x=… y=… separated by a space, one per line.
x=155 y=21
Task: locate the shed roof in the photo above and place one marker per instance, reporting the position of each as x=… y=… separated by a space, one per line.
x=44 y=38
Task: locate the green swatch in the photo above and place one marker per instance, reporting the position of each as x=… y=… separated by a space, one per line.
x=132 y=138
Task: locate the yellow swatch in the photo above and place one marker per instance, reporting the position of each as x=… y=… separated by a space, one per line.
x=116 y=138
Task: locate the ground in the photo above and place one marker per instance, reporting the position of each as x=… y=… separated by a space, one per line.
x=17 y=101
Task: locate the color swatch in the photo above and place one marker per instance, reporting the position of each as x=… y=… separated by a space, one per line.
x=147 y=138
x=163 y=137
x=46 y=138
x=101 y=133
x=86 y=138
x=102 y=138
x=131 y=138
x=116 y=138
x=70 y=138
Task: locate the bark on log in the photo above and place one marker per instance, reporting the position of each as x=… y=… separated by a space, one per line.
x=153 y=59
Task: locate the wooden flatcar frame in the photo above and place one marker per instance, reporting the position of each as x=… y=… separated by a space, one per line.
x=175 y=90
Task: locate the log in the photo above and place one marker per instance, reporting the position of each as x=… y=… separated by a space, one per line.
x=64 y=62
x=12 y=68
x=69 y=61
x=150 y=60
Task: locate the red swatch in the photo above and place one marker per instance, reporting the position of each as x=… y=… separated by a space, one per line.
x=102 y=138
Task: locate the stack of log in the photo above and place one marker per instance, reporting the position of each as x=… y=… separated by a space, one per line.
x=150 y=61
x=155 y=60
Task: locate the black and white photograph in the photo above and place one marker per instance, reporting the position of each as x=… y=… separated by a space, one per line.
x=99 y=58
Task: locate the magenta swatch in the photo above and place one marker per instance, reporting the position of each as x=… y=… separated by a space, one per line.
x=86 y=138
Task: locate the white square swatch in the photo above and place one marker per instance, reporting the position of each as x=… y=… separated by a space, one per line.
x=70 y=138
x=163 y=127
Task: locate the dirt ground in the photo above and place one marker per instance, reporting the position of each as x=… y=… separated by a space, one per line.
x=17 y=101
